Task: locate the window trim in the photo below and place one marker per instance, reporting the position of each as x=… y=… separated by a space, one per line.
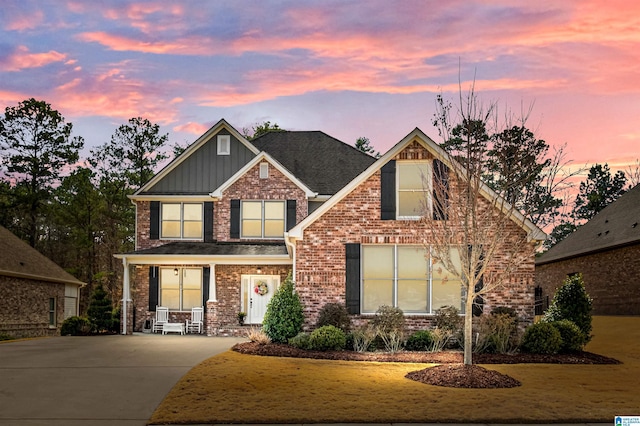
x=223 y=145
x=428 y=191
x=182 y=221
x=181 y=270
x=263 y=219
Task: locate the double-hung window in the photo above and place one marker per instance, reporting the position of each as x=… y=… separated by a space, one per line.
x=413 y=189
x=263 y=219
x=52 y=313
x=182 y=220
x=408 y=278
x=180 y=288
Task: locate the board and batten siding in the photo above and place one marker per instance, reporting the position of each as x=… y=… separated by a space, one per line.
x=204 y=170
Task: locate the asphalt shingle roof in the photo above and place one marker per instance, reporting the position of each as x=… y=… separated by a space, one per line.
x=321 y=162
x=19 y=259
x=616 y=225
x=217 y=249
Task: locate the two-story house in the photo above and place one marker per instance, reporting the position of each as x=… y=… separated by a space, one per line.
x=224 y=223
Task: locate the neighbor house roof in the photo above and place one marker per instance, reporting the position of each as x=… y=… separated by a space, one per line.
x=617 y=225
x=322 y=162
x=20 y=260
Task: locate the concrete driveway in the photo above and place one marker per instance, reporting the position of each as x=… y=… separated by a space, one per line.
x=97 y=380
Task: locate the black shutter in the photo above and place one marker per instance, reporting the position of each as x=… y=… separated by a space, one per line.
x=388 y=191
x=291 y=214
x=153 y=287
x=154 y=217
x=440 y=190
x=206 y=273
x=235 y=219
x=208 y=222
x=352 y=268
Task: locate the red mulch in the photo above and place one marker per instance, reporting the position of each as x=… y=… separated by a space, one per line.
x=452 y=372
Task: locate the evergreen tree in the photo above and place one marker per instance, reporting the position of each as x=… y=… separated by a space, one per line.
x=284 y=317
x=100 y=311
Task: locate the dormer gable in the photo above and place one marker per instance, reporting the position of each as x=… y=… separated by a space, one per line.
x=206 y=164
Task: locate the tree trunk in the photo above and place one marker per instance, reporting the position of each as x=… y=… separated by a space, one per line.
x=468 y=328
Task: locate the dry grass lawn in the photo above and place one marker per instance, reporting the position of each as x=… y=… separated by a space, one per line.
x=236 y=388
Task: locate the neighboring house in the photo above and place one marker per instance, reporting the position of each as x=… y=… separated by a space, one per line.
x=36 y=295
x=226 y=222
x=606 y=251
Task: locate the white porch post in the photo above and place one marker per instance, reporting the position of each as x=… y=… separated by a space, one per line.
x=213 y=297
x=126 y=294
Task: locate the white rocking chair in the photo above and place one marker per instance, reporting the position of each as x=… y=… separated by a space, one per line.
x=162 y=317
x=196 y=322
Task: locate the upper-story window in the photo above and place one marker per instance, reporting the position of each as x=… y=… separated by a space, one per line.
x=263 y=219
x=414 y=189
x=224 y=145
x=181 y=221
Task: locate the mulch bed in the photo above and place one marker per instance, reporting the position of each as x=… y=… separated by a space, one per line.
x=451 y=373
x=444 y=357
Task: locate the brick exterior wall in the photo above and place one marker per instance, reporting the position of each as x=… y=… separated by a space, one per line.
x=24 y=307
x=320 y=256
x=610 y=278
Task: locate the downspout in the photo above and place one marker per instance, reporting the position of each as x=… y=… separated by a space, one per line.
x=292 y=252
x=126 y=297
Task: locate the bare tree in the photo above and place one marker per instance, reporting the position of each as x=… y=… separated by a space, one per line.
x=633 y=174
x=477 y=236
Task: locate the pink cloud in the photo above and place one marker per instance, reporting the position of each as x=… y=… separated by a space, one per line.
x=191 y=127
x=21 y=59
x=22 y=21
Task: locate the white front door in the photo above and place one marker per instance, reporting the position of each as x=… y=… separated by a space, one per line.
x=257 y=291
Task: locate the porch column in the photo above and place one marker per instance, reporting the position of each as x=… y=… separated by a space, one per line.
x=126 y=294
x=213 y=297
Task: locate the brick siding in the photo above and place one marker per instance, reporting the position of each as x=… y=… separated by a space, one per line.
x=24 y=307
x=610 y=278
x=320 y=256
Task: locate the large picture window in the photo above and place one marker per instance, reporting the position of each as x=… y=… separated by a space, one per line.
x=414 y=188
x=408 y=278
x=263 y=219
x=182 y=221
x=181 y=288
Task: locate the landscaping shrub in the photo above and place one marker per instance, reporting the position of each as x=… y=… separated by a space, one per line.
x=389 y=325
x=572 y=338
x=496 y=333
x=334 y=314
x=284 y=317
x=450 y=323
x=100 y=312
x=327 y=338
x=256 y=335
x=388 y=319
x=541 y=338
x=75 y=326
x=571 y=302
x=301 y=341
x=4 y=336
x=362 y=339
x=420 y=341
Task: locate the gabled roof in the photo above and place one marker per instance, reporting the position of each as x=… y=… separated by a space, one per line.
x=20 y=260
x=617 y=225
x=191 y=149
x=263 y=156
x=419 y=136
x=324 y=163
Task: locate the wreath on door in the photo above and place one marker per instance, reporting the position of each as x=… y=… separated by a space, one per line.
x=261 y=288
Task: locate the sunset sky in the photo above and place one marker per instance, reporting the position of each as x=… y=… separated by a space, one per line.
x=349 y=68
